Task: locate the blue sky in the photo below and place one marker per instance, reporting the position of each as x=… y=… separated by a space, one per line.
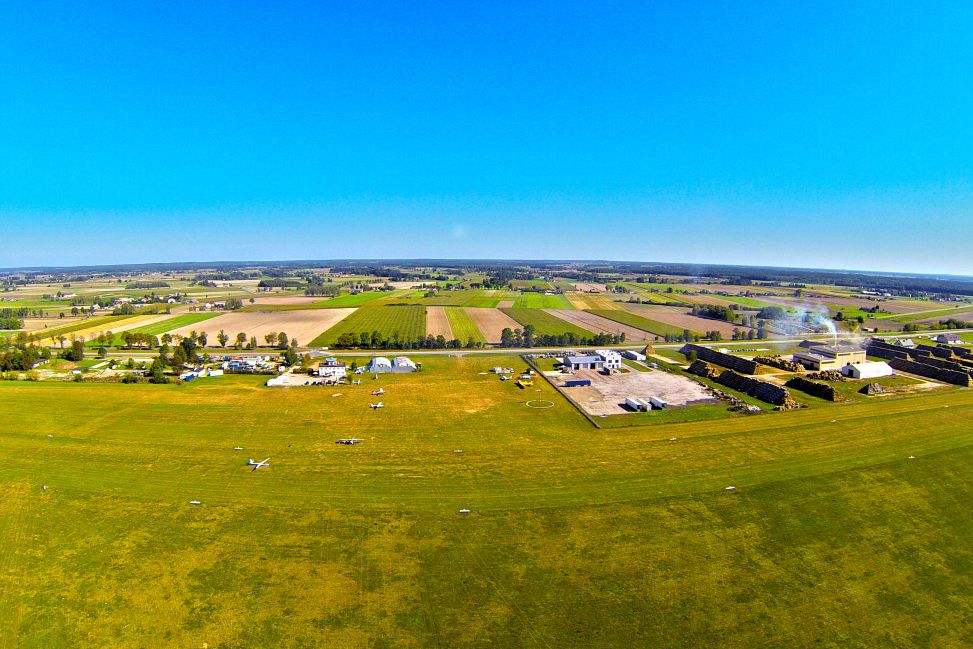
x=802 y=134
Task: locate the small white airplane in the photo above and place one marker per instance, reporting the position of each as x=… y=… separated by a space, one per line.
x=257 y=465
x=351 y=441
x=375 y=393
x=376 y=406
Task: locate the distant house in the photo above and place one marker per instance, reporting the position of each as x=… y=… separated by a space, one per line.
x=949 y=339
x=908 y=343
x=586 y=362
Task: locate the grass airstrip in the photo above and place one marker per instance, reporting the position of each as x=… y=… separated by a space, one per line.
x=577 y=537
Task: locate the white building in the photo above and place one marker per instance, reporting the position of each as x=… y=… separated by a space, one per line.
x=867 y=370
x=635 y=356
x=613 y=360
x=332 y=369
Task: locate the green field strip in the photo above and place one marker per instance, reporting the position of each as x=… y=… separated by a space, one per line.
x=462 y=325
x=541 y=301
x=408 y=321
x=645 y=324
x=546 y=323
x=45 y=334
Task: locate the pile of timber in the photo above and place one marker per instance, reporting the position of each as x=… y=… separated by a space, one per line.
x=744 y=365
x=815 y=389
x=780 y=363
x=757 y=389
x=704 y=369
x=926 y=369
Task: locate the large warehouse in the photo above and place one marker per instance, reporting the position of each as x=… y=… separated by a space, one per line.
x=821 y=358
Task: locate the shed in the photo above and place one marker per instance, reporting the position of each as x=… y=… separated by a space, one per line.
x=867 y=370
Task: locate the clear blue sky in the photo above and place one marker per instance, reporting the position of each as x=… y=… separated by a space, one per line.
x=790 y=133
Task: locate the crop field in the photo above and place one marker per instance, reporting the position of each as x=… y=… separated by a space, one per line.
x=491 y=322
x=437 y=324
x=81 y=325
x=408 y=321
x=303 y=325
x=679 y=319
x=576 y=537
x=462 y=325
x=541 y=301
x=164 y=323
x=545 y=323
x=600 y=325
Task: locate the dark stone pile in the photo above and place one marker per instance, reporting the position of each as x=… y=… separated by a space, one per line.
x=819 y=390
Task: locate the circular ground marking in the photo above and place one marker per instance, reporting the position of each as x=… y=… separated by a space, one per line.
x=540 y=403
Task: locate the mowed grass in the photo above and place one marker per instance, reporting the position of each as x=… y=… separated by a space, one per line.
x=541 y=301
x=576 y=538
x=462 y=325
x=408 y=321
x=545 y=323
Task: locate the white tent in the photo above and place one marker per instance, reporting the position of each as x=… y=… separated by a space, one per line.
x=867 y=370
x=380 y=364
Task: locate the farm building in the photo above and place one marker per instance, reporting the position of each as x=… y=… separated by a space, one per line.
x=867 y=370
x=949 y=339
x=587 y=362
x=822 y=358
x=908 y=343
x=331 y=368
x=634 y=356
x=612 y=359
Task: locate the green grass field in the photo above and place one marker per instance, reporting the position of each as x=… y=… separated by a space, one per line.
x=541 y=301
x=409 y=321
x=545 y=323
x=577 y=537
x=462 y=325
x=170 y=324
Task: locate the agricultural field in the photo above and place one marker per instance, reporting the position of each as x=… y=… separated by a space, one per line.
x=541 y=301
x=163 y=324
x=491 y=322
x=600 y=325
x=408 y=321
x=576 y=537
x=681 y=319
x=462 y=325
x=437 y=323
x=81 y=326
x=302 y=325
x=545 y=323
x=591 y=301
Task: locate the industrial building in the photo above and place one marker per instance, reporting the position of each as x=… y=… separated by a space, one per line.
x=822 y=358
x=586 y=362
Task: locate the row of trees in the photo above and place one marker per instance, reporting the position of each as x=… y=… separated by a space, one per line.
x=528 y=337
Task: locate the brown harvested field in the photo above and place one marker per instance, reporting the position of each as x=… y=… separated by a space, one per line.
x=437 y=324
x=36 y=324
x=287 y=299
x=708 y=299
x=505 y=304
x=681 y=318
x=585 y=287
x=491 y=322
x=303 y=325
x=591 y=301
x=597 y=324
